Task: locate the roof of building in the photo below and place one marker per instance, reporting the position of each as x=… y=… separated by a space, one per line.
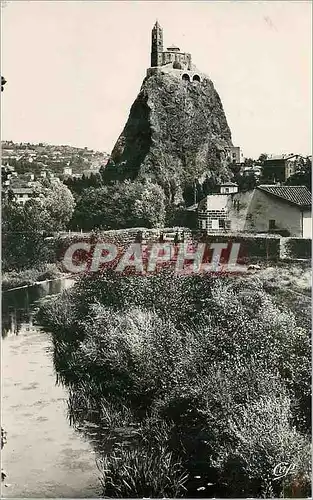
x=21 y=190
x=281 y=157
x=173 y=47
x=192 y=208
x=252 y=168
x=296 y=195
x=229 y=184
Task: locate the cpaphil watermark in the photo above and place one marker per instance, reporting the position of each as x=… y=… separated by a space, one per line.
x=142 y=259
x=283 y=469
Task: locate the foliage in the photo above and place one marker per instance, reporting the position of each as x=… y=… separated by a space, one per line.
x=263 y=439
x=299 y=248
x=22 y=235
x=246 y=182
x=303 y=176
x=24 y=227
x=43 y=272
x=56 y=203
x=251 y=248
x=77 y=186
x=217 y=361
x=123 y=204
x=262 y=157
x=249 y=162
x=180 y=217
x=147 y=468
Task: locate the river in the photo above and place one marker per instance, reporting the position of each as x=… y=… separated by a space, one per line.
x=43 y=457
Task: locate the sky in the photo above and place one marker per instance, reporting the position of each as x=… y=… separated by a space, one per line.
x=74 y=68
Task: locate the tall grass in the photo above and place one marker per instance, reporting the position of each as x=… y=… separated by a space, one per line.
x=142 y=473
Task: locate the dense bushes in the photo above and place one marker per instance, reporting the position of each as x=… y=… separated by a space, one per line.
x=224 y=369
x=25 y=226
x=298 y=248
x=123 y=204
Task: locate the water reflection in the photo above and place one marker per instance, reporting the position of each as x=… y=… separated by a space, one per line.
x=18 y=305
x=44 y=457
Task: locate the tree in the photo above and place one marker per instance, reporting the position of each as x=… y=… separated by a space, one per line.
x=246 y=182
x=57 y=201
x=210 y=186
x=24 y=227
x=119 y=205
x=303 y=176
x=89 y=210
x=262 y=158
x=248 y=162
x=22 y=234
x=149 y=205
x=77 y=186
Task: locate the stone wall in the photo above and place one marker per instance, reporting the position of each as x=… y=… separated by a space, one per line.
x=182 y=57
x=178 y=73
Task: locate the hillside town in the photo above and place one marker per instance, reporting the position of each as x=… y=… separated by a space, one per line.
x=226 y=207
x=156 y=312
x=40 y=160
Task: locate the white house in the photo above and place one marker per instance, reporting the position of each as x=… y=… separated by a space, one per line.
x=266 y=209
x=228 y=188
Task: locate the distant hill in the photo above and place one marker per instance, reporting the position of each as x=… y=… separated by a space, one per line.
x=33 y=157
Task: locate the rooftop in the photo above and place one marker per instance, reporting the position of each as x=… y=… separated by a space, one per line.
x=192 y=208
x=281 y=157
x=21 y=190
x=296 y=195
x=173 y=48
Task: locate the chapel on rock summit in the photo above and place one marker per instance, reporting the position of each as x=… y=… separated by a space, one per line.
x=171 y=60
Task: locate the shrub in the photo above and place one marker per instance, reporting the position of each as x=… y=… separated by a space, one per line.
x=215 y=359
x=298 y=248
x=262 y=439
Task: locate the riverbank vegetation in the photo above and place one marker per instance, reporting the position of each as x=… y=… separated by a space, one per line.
x=25 y=226
x=43 y=272
x=197 y=386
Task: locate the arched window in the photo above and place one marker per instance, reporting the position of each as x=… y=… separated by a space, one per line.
x=177 y=65
x=196 y=78
x=186 y=77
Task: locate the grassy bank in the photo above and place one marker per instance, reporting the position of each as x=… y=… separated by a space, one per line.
x=197 y=386
x=14 y=279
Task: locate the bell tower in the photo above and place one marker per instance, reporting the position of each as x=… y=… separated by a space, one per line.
x=156 y=45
